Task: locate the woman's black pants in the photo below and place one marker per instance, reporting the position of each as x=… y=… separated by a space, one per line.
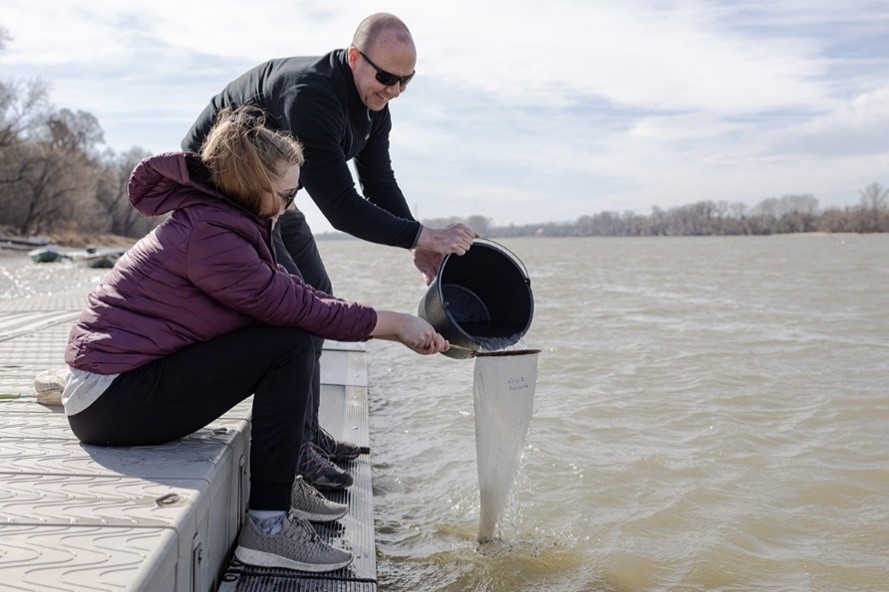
x=174 y=396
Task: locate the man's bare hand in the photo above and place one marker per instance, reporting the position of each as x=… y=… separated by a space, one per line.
x=456 y=238
x=434 y=244
x=428 y=263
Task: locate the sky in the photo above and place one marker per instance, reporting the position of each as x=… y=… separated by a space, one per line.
x=521 y=111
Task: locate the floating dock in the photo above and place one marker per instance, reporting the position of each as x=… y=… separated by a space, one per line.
x=153 y=518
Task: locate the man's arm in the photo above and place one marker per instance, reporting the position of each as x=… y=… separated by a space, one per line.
x=317 y=121
x=374 y=167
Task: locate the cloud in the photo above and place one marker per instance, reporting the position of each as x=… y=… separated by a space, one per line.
x=650 y=56
x=859 y=126
x=521 y=111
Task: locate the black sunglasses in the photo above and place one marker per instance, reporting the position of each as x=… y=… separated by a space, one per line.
x=288 y=198
x=388 y=78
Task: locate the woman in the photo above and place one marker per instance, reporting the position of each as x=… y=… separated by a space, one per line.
x=198 y=316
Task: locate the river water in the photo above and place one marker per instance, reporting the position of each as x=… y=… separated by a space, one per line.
x=710 y=414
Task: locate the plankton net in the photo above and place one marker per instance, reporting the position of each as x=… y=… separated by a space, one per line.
x=504 y=384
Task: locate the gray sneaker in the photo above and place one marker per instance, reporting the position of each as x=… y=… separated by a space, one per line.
x=297 y=547
x=306 y=502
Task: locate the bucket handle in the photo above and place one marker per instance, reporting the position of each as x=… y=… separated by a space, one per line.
x=509 y=253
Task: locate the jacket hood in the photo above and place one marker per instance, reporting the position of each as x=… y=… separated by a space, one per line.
x=156 y=184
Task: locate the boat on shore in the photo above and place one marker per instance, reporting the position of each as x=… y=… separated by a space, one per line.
x=46 y=255
x=103 y=261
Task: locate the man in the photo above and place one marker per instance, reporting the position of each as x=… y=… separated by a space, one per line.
x=337 y=106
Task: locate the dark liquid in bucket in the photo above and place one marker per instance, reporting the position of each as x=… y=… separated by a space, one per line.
x=470 y=313
x=479 y=300
x=465 y=306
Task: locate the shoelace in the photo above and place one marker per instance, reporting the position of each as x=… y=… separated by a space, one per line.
x=300 y=530
x=314 y=459
x=307 y=489
x=326 y=442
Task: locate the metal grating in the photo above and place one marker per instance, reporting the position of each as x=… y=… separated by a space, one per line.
x=233 y=582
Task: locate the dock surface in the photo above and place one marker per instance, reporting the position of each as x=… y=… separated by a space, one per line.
x=153 y=518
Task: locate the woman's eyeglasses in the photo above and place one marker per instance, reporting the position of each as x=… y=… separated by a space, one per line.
x=388 y=78
x=288 y=197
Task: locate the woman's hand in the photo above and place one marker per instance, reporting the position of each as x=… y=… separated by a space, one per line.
x=413 y=332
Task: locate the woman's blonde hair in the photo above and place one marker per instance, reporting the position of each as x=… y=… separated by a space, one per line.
x=244 y=157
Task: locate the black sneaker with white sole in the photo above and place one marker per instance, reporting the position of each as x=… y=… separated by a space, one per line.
x=335 y=450
x=319 y=472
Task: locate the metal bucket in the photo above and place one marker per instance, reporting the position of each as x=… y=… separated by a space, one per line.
x=479 y=300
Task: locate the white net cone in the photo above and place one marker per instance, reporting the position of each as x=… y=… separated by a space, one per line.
x=504 y=402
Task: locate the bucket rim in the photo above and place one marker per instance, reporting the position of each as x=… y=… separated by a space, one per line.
x=497 y=248
x=488 y=243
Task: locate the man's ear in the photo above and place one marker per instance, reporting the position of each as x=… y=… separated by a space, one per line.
x=352 y=57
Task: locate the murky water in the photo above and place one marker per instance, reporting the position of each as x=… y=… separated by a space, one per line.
x=710 y=414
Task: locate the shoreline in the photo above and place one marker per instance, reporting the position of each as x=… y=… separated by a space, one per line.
x=111 y=241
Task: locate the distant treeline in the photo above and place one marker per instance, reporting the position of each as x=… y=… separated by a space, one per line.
x=790 y=213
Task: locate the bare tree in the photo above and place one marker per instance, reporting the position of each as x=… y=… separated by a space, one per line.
x=796 y=213
x=875 y=197
x=111 y=193
x=23 y=106
x=55 y=176
x=54 y=186
x=74 y=132
x=769 y=208
x=480 y=224
x=874 y=213
x=50 y=167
